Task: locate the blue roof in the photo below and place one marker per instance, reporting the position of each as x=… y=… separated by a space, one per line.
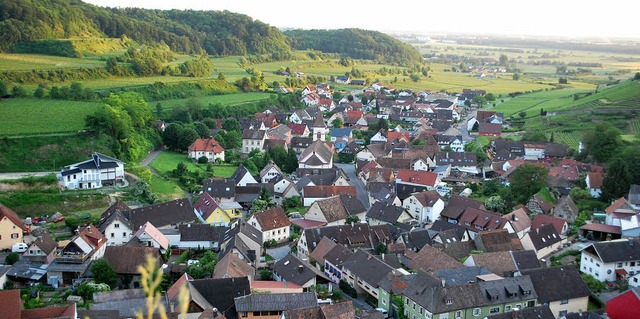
x=338 y=132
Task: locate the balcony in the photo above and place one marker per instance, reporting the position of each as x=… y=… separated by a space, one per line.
x=70 y=258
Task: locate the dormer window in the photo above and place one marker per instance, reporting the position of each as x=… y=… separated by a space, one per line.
x=449 y=301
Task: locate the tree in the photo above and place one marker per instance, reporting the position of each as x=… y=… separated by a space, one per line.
x=602 y=141
x=4 y=91
x=181 y=169
x=636 y=77
x=187 y=137
x=292 y=161
x=479 y=100
x=495 y=203
x=231 y=124
x=181 y=114
x=11 y=258
x=204 y=267
x=522 y=114
x=616 y=183
x=352 y=219
x=527 y=180
x=490 y=97
x=337 y=122
x=516 y=76
x=630 y=155
x=18 y=91
x=104 y=273
x=39 y=92
x=171 y=135
x=534 y=135
x=503 y=60
x=202 y=130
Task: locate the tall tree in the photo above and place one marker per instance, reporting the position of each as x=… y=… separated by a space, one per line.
x=616 y=182
x=630 y=155
x=527 y=180
x=602 y=141
x=104 y=273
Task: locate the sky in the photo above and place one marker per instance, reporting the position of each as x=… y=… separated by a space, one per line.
x=561 y=18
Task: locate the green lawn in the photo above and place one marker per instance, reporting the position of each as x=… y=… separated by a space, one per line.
x=165 y=189
x=225 y=99
x=167 y=161
x=41 y=116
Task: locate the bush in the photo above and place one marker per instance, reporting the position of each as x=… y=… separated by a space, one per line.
x=11 y=258
x=594 y=285
x=346 y=288
x=266 y=274
x=203 y=160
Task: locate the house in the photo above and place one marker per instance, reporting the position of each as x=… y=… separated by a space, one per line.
x=295 y=270
x=621 y=214
x=594 y=184
x=430 y=258
x=444 y=232
x=74 y=258
x=283 y=188
x=340 y=132
x=497 y=240
x=462 y=161
x=520 y=220
x=253 y=140
x=538 y=204
x=335 y=210
x=272 y=170
x=561 y=288
x=489 y=129
x=245 y=241
x=427 y=180
x=273 y=224
x=271 y=306
x=242 y=177
x=382 y=213
x=537 y=312
x=343 y=79
x=198 y=236
x=126 y=260
x=427 y=297
x=299 y=144
x=424 y=206
x=297 y=116
x=415 y=239
x=634 y=196
x=11 y=228
x=566 y=209
x=217 y=293
x=319 y=128
x=298 y=129
x=280 y=132
x=477 y=220
x=100 y=170
x=341 y=310
x=317 y=155
x=561 y=225
x=268 y=286
x=362 y=236
x=310 y=194
x=326 y=104
x=149 y=236
x=231 y=266
x=207 y=147
x=215 y=212
x=543 y=240
x=115 y=224
x=454 y=142
x=611 y=260
x=12 y=307
x=534 y=151
x=42 y=250
x=363 y=271
x=457 y=205
x=626 y=305
x=164 y=215
x=505 y=263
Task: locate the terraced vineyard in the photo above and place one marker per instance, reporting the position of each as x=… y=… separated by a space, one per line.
x=570 y=138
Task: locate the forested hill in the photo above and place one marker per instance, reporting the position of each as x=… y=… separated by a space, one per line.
x=216 y=32
x=357 y=43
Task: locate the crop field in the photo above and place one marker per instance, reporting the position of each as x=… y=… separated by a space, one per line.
x=572 y=139
x=26 y=62
x=634 y=126
x=26 y=116
x=532 y=103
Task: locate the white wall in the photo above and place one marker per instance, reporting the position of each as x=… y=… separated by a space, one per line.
x=117 y=235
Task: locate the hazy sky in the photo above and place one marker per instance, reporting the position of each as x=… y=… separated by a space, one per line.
x=612 y=18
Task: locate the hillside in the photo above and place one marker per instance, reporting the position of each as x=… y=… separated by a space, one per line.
x=356 y=43
x=188 y=31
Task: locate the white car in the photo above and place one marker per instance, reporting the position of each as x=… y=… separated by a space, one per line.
x=384 y=312
x=19 y=248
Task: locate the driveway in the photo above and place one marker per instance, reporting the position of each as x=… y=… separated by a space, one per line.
x=350 y=171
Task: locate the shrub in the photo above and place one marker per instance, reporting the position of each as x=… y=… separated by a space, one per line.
x=11 y=258
x=203 y=160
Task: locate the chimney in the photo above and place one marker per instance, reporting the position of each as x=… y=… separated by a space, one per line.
x=443 y=282
x=215 y=311
x=300 y=268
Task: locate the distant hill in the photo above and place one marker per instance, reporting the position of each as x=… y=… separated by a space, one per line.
x=216 y=32
x=356 y=43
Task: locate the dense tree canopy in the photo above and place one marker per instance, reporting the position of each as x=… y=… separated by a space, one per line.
x=527 y=180
x=602 y=141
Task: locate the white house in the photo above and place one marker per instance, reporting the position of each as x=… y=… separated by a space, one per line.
x=150 y=236
x=319 y=128
x=594 y=183
x=273 y=224
x=93 y=173
x=117 y=228
x=424 y=206
x=318 y=155
x=534 y=151
x=242 y=177
x=271 y=171
x=207 y=147
x=544 y=240
x=611 y=260
x=253 y=140
x=423 y=164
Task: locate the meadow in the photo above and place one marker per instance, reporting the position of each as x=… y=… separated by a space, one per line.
x=26 y=62
x=28 y=116
x=167 y=161
x=225 y=99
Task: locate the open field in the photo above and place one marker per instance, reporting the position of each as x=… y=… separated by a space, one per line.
x=167 y=161
x=225 y=99
x=27 y=62
x=41 y=116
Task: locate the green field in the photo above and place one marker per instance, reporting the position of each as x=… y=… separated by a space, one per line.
x=225 y=99
x=165 y=189
x=167 y=161
x=27 y=62
x=41 y=116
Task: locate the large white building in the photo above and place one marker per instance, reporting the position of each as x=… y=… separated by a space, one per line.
x=611 y=260
x=96 y=172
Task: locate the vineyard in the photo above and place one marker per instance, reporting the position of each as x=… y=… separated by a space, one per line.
x=570 y=138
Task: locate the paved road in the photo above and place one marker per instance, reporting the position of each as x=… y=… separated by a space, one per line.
x=358 y=303
x=5 y=176
x=463 y=127
x=350 y=171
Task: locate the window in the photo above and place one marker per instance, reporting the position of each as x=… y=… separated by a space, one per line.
x=632 y=264
x=564 y=301
x=507 y=308
x=459 y=313
x=562 y=313
x=494 y=310
x=476 y=311
x=116 y=225
x=619 y=265
x=15 y=235
x=112 y=235
x=124 y=235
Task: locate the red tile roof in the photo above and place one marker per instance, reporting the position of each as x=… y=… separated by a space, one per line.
x=11 y=215
x=307 y=223
x=51 y=312
x=488 y=128
x=206 y=145
x=399 y=135
x=621 y=202
x=602 y=228
x=415 y=177
x=595 y=180
x=174 y=290
x=206 y=205
x=10 y=303
x=541 y=220
x=355 y=113
x=328 y=191
x=297 y=129
x=272 y=219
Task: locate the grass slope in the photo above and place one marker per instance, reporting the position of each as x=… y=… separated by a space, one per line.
x=167 y=161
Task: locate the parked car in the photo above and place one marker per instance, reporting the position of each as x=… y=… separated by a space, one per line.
x=58 y=219
x=19 y=248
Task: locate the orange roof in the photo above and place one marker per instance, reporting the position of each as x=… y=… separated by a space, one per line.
x=50 y=312
x=613 y=207
x=174 y=290
x=266 y=284
x=595 y=180
x=154 y=233
x=272 y=219
x=11 y=215
x=10 y=303
x=355 y=113
x=91 y=235
x=415 y=177
x=399 y=135
x=206 y=145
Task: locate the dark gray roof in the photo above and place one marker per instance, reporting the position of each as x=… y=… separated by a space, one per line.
x=460 y=276
x=352 y=236
x=163 y=214
x=447 y=230
x=127 y=302
x=97 y=161
x=384 y=212
x=558 y=283
x=196 y=232
x=253 y=134
x=292 y=269
x=525 y=259
x=337 y=255
x=352 y=204
x=544 y=236
x=276 y=302
x=367 y=267
x=537 y=312
x=220 y=187
x=457 y=204
x=220 y=293
x=240 y=172
x=616 y=251
x=416 y=239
